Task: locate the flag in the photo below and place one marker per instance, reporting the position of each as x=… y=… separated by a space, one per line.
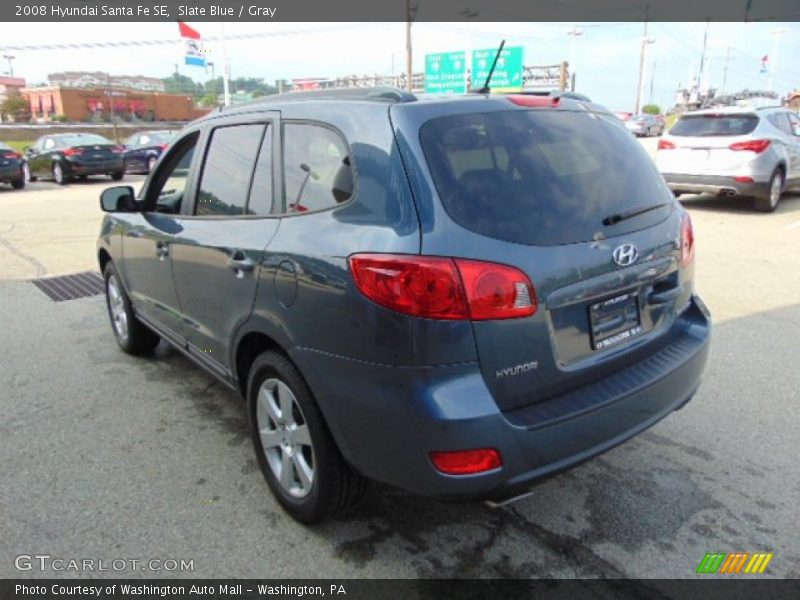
x=195 y=55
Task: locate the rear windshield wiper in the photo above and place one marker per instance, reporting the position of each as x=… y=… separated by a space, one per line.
x=633 y=212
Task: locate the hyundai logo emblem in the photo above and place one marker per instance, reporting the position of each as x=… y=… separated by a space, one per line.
x=625 y=255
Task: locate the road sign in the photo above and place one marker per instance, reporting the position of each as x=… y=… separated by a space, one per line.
x=507 y=76
x=446 y=73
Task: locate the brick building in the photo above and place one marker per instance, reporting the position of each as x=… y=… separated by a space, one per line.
x=94 y=104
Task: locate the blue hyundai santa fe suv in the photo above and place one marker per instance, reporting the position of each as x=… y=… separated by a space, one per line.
x=457 y=296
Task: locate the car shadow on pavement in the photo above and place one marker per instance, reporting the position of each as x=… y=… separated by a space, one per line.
x=790 y=203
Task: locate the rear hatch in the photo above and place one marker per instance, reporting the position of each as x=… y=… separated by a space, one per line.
x=702 y=144
x=556 y=194
x=92 y=150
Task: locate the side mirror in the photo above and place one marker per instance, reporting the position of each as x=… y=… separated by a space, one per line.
x=120 y=198
x=28 y=150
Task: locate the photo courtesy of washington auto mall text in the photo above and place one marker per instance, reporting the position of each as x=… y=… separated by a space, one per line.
x=407 y=300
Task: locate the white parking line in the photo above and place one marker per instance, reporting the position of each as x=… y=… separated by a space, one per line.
x=795 y=225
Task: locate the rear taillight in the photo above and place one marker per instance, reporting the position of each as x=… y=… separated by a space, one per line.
x=687 y=240
x=665 y=145
x=118 y=149
x=163 y=147
x=444 y=288
x=10 y=154
x=73 y=151
x=467 y=462
x=756 y=146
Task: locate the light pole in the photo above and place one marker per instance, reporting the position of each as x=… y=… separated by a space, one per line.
x=10 y=58
x=573 y=33
x=645 y=42
x=776 y=37
x=411 y=13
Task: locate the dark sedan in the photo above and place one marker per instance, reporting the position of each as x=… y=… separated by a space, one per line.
x=11 y=167
x=142 y=150
x=66 y=156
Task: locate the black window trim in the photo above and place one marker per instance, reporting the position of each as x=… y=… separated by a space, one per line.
x=353 y=169
x=168 y=163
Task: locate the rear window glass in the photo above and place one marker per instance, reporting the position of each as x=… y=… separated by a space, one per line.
x=82 y=140
x=709 y=125
x=541 y=177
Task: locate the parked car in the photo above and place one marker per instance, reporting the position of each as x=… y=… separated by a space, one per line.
x=623 y=115
x=66 y=156
x=11 y=167
x=435 y=294
x=142 y=150
x=644 y=125
x=733 y=151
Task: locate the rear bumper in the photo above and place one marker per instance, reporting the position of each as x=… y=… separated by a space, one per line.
x=89 y=168
x=11 y=172
x=714 y=184
x=387 y=420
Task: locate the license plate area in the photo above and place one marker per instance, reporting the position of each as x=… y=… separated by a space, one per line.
x=615 y=320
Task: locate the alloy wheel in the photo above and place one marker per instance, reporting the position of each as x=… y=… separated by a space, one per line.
x=116 y=306
x=285 y=438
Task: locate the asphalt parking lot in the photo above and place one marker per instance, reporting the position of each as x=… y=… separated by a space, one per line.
x=108 y=456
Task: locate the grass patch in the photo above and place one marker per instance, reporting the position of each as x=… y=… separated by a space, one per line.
x=19 y=146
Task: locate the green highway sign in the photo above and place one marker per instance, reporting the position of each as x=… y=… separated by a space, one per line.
x=507 y=76
x=446 y=73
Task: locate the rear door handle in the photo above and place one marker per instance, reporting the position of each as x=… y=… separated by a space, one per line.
x=239 y=261
x=162 y=250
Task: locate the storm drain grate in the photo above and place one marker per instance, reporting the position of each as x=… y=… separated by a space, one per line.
x=71 y=287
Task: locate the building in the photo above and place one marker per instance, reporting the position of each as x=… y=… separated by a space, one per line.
x=95 y=104
x=95 y=79
x=10 y=86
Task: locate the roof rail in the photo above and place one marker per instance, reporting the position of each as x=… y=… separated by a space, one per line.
x=378 y=94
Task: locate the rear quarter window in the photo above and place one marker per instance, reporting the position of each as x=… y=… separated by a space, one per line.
x=541 y=177
x=714 y=125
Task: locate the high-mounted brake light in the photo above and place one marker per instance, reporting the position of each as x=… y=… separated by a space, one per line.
x=533 y=101
x=757 y=146
x=444 y=288
x=665 y=145
x=73 y=151
x=687 y=240
x=467 y=462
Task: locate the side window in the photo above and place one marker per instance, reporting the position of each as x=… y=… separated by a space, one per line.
x=171 y=179
x=261 y=191
x=317 y=169
x=228 y=169
x=794 y=123
x=144 y=139
x=781 y=121
x=49 y=144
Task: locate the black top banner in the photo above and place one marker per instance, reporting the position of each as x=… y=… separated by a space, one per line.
x=399 y=10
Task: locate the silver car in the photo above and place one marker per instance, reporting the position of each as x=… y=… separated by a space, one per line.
x=644 y=125
x=733 y=151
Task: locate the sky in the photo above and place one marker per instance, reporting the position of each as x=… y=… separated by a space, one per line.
x=606 y=55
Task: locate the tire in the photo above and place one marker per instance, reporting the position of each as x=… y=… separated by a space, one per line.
x=83 y=177
x=117 y=175
x=151 y=163
x=58 y=174
x=769 y=201
x=133 y=336
x=18 y=184
x=282 y=412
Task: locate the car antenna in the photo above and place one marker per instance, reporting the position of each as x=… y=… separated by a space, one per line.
x=486 y=89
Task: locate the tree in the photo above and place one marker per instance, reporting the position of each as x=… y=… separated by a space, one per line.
x=210 y=100
x=15 y=107
x=181 y=84
x=651 y=109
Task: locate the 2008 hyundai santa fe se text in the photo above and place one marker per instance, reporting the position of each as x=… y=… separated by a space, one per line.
x=457 y=296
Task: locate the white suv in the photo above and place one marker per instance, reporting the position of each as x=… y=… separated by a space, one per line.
x=733 y=151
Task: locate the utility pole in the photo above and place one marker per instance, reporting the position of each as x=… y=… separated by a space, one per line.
x=702 y=59
x=776 y=37
x=226 y=71
x=111 y=107
x=410 y=14
x=725 y=70
x=10 y=58
x=645 y=41
x=652 y=80
x=573 y=33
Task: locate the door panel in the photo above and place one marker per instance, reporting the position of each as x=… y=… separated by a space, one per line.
x=217 y=254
